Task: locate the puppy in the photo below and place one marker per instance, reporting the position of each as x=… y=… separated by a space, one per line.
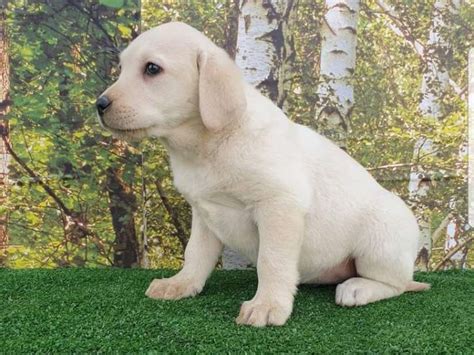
x=292 y=202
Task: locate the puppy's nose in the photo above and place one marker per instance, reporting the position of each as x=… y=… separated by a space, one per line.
x=102 y=104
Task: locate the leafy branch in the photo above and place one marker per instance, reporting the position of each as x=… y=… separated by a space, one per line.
x=401 y=29
x=72 y=218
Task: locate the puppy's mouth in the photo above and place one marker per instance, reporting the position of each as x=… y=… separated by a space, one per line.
x=120 y=129
x=128 y=134
x=124 y=130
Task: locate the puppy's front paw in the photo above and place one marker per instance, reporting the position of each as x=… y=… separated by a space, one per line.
x=172 y=289
x=260 y=313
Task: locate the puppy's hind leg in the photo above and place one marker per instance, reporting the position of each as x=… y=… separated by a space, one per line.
x=378 y=279
x=359 y=291
x=384 y=263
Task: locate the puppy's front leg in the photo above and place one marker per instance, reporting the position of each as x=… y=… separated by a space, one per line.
x=200 y=258
x=281 y=228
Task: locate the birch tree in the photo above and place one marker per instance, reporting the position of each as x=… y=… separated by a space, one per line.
x=265 y=50
x=265 y=47
x=456 y=250
x=457 y=222
x=4 y=108
x=396 y=24
x=338 y=54
x=434 y=85
x=436 y=82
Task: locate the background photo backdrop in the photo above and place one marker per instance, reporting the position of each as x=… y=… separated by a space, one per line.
x=384 y=79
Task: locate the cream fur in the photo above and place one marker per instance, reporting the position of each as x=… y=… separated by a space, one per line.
x=287 y=198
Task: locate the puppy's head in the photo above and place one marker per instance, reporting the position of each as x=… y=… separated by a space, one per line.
x=169 y=75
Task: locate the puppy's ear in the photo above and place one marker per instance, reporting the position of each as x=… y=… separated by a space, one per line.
x=221 y=89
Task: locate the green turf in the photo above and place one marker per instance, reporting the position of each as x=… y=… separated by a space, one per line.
x=105 y=310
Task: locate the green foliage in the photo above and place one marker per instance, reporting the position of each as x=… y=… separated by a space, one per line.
x=386 y=121
x=112 y=3
x=64 y=54
x=61 y=54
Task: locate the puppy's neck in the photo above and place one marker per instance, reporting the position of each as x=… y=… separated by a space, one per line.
x=193 y=142
x=187 y=141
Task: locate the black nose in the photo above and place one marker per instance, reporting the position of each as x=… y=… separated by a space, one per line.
x=102 y=103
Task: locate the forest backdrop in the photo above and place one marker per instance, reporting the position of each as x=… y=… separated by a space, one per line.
x=386 y=80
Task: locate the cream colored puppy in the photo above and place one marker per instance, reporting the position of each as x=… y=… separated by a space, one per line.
x=288 y=199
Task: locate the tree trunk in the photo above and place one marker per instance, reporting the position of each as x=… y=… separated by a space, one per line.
x=122 y=205
x=232 y=27
x=435 y=81
x=143 y=255
x=122 y=200
x=458 y=223
x=434 y=85
x=338 y=54
x=264 y=45
x=4 y=130
x=265 y=50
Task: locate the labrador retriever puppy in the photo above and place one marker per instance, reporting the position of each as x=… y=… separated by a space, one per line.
x=291 y=201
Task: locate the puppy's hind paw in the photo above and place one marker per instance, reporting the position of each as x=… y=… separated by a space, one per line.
x=351 y=295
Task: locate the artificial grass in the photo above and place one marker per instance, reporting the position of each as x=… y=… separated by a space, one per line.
x=105 y=310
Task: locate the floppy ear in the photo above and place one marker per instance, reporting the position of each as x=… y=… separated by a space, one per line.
x=221 y=89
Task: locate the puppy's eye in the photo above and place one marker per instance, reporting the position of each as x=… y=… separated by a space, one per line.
x=152 y=69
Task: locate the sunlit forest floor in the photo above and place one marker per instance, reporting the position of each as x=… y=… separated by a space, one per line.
x=105 y=310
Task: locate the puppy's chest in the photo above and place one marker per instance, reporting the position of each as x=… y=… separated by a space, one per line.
x=231 y=221
x=218 y=196
x=207 y=184
x=227 y=216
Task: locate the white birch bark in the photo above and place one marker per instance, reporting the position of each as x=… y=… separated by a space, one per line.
x=457 y=224
x=264 y=53
x=4 y=108
x=434 y=84
x=338 y=55
x=453 y=230
x=264 y=46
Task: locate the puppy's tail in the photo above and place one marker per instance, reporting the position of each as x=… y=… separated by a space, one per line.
x=414 y=286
